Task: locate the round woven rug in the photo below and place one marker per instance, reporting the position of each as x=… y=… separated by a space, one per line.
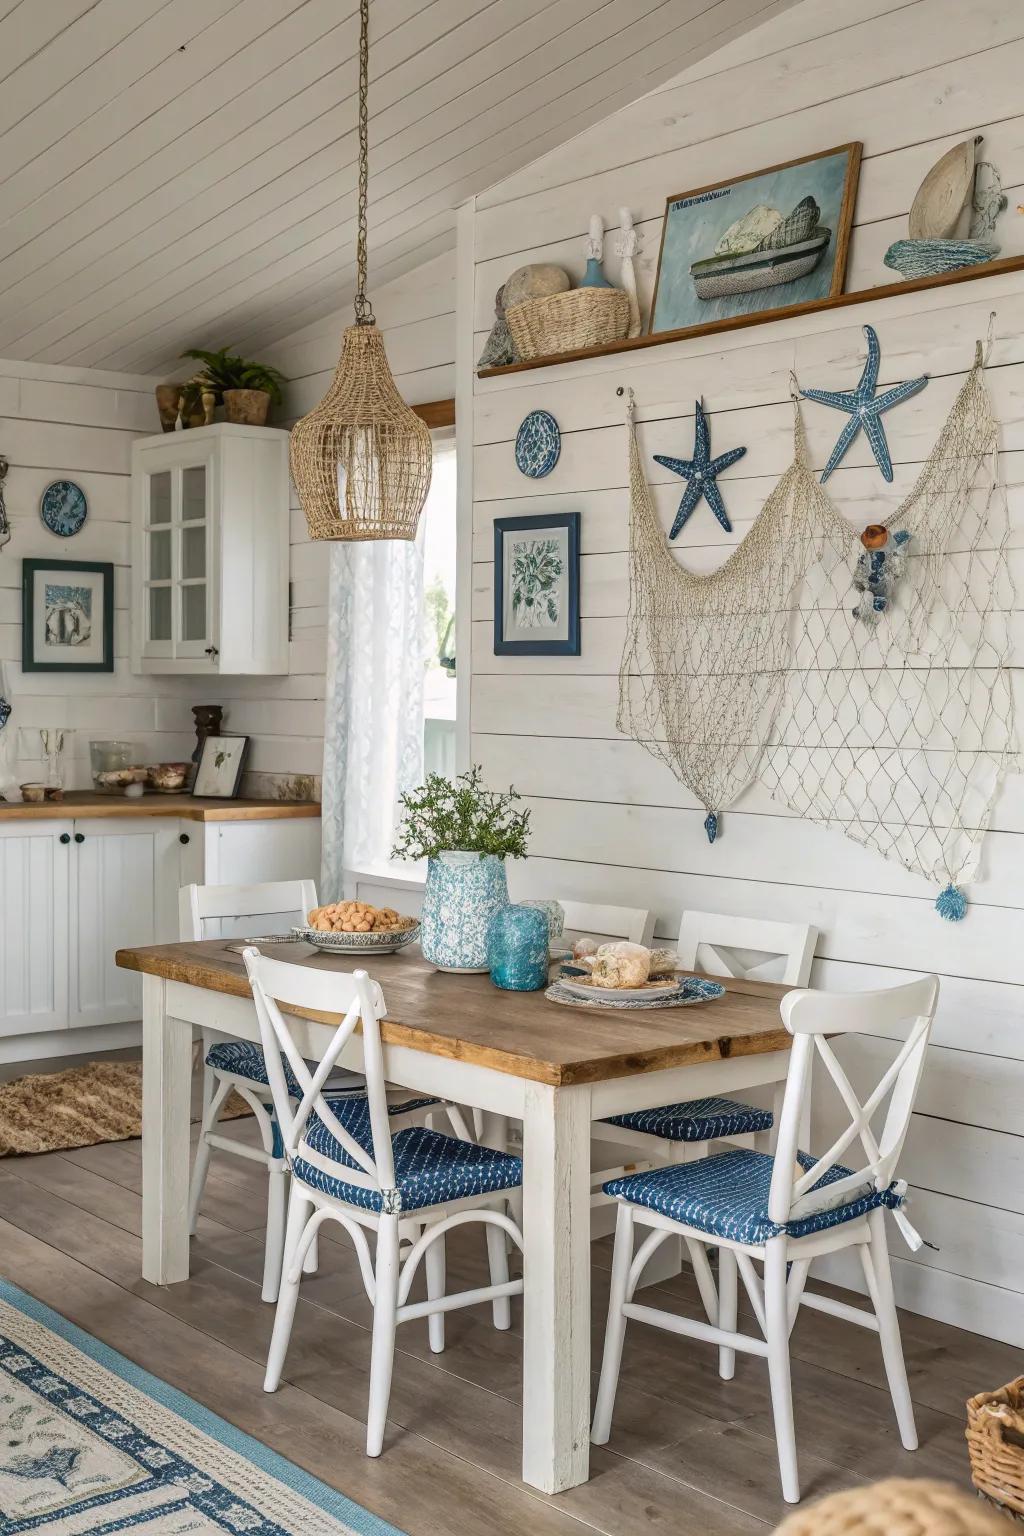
x=79 y=1107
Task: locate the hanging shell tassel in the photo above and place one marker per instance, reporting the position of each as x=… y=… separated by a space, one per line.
x=711 y=826
x=952 y=904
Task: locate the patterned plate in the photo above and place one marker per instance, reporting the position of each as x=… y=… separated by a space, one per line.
x=582 y=986
x=359 y=943
x=63 y=508
x=538 y=444
x=692 y=989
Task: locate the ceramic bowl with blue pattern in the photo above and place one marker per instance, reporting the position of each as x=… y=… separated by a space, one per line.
x=382 y=943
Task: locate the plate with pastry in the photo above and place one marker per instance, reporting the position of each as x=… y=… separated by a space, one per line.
x=357 y=928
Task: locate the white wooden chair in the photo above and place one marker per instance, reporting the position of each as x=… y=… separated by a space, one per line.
x=272 y=908
x=784 y=1211
x=347 y=1166
x=608 y=923
x=723 y=946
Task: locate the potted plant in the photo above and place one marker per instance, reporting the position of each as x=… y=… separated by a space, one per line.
x=465 y=832
x=247 y=389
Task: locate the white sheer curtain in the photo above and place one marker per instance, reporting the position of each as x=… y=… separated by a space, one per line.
x=373 y=730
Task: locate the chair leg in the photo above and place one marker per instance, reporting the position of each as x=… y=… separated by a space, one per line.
x=311 y=1263
x=273 y=1249
x=434 y=1264
x=382 y=1355
x=777 y=1334
x=299 y=1209
x=728 y=1275
x=201 y=1166
x=497 y=1263
x=876 y=1256
x=615 y=1329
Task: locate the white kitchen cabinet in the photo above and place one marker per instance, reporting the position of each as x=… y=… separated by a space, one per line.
x=34 y=923
x=125 y=878
x=210 y=552
x=76 y=887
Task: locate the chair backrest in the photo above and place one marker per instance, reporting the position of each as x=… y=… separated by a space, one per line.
x=812 y=1016
x=218 y=911
x=600 y=922
x=278 y=984
x=714 y=942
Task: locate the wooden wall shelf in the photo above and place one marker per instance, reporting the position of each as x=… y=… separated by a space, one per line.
x=740 y=322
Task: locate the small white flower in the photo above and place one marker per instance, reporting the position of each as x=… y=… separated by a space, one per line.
x=156 y=1456
x=18 y=1362
x=241 y=1518
x=80 y=1406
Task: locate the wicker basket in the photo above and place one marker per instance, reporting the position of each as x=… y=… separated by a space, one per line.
x=568 y=322
x=995 y=1441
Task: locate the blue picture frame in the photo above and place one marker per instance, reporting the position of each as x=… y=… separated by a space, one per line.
x=537 y=585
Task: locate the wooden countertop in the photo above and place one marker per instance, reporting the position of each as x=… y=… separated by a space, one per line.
x=468 y=1019
x=88 y=803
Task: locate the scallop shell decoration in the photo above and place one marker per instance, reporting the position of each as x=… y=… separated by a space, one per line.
x=942 y=208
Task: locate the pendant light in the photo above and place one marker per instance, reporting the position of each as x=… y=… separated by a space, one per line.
x=361 y=461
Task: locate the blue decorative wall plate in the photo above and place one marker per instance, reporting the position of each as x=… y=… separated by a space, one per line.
x=538 y=444
x=63 y=508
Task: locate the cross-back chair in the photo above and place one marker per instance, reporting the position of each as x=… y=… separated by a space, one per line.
x=785 y=1211
x=606 y=923
x=374 y=1171
x=714 y=942
x=220 y=911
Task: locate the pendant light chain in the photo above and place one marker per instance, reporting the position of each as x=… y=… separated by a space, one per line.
x=363 y=307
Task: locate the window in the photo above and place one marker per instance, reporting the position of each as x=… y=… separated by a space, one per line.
x=438 y=532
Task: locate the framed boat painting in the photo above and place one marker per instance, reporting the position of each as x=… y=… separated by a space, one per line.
x=757 y=244
x=537 y=585
x=67 y=616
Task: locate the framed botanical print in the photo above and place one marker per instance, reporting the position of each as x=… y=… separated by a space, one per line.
x=67 y=616
x=537 y=585
x=757 y=244
x=219 y=773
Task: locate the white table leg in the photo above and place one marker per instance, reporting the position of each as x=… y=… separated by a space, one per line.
x=166 y=1088
x=556 y=1301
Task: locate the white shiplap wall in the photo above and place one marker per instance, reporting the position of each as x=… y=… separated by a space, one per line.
x=79 y=424
x=610 y=823
x=285 y=716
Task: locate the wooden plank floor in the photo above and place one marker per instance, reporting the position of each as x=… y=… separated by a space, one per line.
x=688 y=1451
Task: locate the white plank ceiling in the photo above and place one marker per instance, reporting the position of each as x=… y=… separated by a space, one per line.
x=182 y=172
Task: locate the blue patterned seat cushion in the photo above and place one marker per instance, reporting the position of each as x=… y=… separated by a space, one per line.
x=699 y=1120
x=727 y=1196
x=247 y=1060
x=430 y=1169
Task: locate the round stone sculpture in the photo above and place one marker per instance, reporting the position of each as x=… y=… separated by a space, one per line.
x=535 y=281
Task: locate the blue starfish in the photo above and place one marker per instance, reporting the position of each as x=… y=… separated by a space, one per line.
x=699 y=473
x=865 y=408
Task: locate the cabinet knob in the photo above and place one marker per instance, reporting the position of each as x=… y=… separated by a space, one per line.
x=79 y=837
x=183 y=837
x=65 y=837
x=212 y=651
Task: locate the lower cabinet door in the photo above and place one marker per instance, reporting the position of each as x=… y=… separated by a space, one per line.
x=34 y=867
x=125 y=889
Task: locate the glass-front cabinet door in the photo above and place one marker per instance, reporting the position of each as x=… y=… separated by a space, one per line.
x=176 y=544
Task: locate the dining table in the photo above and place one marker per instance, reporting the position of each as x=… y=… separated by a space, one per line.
x=511 y=1055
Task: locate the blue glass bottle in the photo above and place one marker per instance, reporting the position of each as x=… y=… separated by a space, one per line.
x=517 y=949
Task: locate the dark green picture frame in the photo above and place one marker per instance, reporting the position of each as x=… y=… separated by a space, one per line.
x=29 y=570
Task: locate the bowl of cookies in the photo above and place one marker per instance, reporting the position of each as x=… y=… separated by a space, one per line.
x=357 y=928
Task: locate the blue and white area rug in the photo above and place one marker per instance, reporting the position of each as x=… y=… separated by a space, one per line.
x=90 y=1445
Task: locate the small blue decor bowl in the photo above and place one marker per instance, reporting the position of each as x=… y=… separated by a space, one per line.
x=517 y=949
x=63 y=508
x=538 y=444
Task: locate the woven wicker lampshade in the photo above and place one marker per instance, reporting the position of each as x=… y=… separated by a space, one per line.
x=362 y=460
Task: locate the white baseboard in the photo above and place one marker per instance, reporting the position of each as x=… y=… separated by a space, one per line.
x=989 y=1310
x=70 y=1042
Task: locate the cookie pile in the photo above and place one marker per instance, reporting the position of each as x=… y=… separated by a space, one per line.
x=358 y=917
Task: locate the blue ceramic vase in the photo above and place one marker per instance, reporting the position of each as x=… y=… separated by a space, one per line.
x=517 y=948
x=463 y=892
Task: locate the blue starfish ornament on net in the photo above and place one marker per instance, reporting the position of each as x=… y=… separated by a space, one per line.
x=700 y=474
x=865 y=408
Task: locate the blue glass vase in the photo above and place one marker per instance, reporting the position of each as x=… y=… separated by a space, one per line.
x=463 y=892
x=594 y=276
x=517 y=949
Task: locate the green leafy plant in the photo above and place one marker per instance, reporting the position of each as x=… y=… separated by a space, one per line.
x=461 y=815
x=225 y=371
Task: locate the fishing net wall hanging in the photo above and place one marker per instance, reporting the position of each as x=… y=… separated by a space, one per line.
x=870 y=695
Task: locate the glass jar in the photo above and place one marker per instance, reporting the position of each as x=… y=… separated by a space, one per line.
x=517 y=949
